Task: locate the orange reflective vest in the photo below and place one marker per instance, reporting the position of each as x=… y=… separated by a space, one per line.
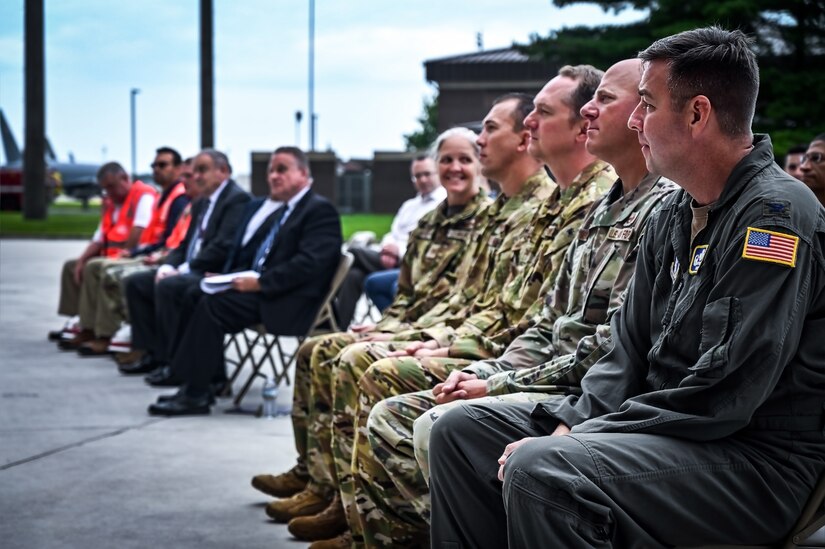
x=157 y=225
x=116 y=234
x=179 y=231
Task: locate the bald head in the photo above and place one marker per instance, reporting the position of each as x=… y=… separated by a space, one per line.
x=608 y=135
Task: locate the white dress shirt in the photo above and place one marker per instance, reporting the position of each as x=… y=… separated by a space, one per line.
x=408 y=215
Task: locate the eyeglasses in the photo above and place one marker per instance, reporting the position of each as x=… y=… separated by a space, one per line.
x=813 y=158
x=421 y=175
x=159 y=165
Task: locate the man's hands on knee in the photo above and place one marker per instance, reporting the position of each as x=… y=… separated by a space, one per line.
x=560 y=430
x=460 y=386
x=413 y=348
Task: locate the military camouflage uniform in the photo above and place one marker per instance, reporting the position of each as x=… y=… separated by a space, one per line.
x=526 y=260
x=499 y=246
x=572 y=332
x=436 y=248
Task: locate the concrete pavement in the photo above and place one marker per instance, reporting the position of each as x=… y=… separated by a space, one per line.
x=83 y=465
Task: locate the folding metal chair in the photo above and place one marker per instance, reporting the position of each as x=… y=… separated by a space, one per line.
x=269 y=346
x=807 y=533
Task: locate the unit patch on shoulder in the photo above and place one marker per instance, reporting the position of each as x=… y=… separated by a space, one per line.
x=770 y=246
x=697 y=257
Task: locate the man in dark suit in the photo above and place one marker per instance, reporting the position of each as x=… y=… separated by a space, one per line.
x=155 y=299
x=296 y=261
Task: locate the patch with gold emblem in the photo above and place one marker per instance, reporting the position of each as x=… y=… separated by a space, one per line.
x=697 y=257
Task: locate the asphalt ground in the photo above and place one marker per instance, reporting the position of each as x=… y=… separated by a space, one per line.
x=82 y=464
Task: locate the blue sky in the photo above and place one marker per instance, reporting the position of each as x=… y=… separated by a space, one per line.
x=369 y=70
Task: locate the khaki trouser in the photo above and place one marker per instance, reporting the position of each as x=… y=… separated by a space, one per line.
x=69 y=290
x=100 y=310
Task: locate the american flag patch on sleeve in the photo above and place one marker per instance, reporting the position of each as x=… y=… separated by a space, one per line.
x=770 y=246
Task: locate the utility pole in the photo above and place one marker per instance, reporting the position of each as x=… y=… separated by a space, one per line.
x=207 y=76
x=298 y=116
x=132 y=94
x=311 y=75
x=34 y=164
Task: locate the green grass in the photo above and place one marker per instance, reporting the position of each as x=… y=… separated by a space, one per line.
x=71 y=221
x=377 y=223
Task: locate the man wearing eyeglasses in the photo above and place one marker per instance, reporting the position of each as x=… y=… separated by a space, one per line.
x=812 y=168
x=394 y=244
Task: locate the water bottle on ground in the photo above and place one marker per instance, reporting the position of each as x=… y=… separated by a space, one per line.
x=283 y=402
x=269 y=393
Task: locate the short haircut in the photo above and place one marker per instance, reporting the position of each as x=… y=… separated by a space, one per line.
x=523 y=107
x=797 y=149
x=110 y=168
x=418 y=156
x=219 y=159
x=299 y=156
x=716 y=63
x=820 y=138
x=467 y=134
x=588 y=78
x=176 y=159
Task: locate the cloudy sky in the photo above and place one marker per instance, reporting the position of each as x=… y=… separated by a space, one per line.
x=369 y=70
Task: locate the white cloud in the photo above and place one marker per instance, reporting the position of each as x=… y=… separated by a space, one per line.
x=369 y=69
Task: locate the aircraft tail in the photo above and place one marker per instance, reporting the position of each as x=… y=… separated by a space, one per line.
x=10 y=147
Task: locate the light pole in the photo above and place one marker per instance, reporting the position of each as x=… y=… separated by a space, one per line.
x=298 y=116
x=132 y=94
x=311 y=117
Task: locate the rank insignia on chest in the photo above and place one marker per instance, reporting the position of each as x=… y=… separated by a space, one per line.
x=697 y=257
x=616 y=233
x=631 y=219
x=770 y=246
x=674 y=270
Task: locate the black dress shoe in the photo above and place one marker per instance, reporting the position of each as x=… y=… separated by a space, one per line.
x=221 y=389
x=179 y=395
x=55 y=335
x=181 y=406
x=145 y=365
x=163 y=377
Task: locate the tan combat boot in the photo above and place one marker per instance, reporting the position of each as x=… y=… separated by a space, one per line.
x=301 y=504
x=344 y=541
x=325 y=525
x=283 y=485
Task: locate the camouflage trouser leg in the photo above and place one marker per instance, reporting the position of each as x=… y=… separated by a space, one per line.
x=113 y=290
x=301 y=396
x=424 y=423
x=352 y=364
x=387 y=483
x=319 y=421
